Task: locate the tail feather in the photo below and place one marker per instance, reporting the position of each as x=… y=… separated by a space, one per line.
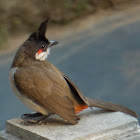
x=111 y=106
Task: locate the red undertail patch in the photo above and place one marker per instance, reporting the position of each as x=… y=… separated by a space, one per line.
x=79 y=108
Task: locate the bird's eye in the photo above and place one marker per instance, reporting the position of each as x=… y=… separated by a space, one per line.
x=43 y=46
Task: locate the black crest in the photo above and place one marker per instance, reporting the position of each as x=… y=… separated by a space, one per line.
x=43 y=27
x=40 y=34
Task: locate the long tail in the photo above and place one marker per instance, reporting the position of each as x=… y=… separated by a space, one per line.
x=111 y=106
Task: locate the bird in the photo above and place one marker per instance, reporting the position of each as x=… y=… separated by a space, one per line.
x=43 y=88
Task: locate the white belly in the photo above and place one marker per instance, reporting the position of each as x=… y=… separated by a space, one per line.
x=28 y=102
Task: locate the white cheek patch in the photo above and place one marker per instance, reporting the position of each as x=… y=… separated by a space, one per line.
x=39 y=56
x=43 y=55
x=48 y=51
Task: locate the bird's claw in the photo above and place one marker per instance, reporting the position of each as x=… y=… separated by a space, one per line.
x=77 y=117
x=30 y=123
x=31 y=115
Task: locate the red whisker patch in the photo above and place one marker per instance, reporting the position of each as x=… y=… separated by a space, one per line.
x=39 y=51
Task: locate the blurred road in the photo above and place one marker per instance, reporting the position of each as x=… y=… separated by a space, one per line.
x=103 y=61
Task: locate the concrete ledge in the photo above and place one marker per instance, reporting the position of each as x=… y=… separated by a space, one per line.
x=97 y=125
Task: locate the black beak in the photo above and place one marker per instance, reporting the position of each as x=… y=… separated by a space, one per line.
x=52 y=43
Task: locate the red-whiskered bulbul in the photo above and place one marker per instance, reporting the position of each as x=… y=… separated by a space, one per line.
x=45 y=89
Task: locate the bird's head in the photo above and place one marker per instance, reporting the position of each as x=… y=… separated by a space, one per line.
x=38 y=45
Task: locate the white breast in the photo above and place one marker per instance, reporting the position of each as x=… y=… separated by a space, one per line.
x=28 y=102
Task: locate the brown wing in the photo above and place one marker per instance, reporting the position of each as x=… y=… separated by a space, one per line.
x=43 y=88
x=75 y=89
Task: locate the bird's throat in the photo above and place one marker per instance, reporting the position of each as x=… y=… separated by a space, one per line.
x=41 y=56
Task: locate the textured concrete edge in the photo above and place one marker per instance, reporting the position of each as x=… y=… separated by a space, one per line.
x=6 y=136
x=116 y=132
x=124 y=132
x=134 y=136
x=22 y=133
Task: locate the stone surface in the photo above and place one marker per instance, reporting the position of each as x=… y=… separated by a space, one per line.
x=6 y=136
x=97 y=125
x=134 y=136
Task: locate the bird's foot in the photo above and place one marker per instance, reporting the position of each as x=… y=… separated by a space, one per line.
x=31 y=115
x=35 y=122
x=30 y=123
x=77 y=117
